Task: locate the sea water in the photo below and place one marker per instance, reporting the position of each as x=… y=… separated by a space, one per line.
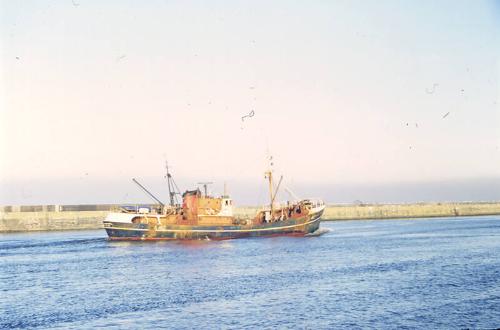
x=425 y=273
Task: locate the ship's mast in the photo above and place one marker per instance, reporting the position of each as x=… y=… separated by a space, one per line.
x=171 y=194
x=269 y=175
x=172 y=187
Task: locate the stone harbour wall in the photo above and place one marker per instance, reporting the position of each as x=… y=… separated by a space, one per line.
x=72 y=217
x=418 y=210
x=38 y=221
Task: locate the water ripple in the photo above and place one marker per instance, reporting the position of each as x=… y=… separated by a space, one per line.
x=439 y=273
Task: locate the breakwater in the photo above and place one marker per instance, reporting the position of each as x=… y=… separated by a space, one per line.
x=415 y=210
x=71 y=217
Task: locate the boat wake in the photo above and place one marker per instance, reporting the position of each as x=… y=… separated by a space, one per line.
x=318 y=232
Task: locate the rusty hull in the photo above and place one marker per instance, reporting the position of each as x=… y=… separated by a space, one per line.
x=151 y=231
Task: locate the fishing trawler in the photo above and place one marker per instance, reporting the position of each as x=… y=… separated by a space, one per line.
x=203 y=217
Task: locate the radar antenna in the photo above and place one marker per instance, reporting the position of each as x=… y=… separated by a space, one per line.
x=205 y=185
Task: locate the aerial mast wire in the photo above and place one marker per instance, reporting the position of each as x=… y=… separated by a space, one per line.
x=294 y=196
x=148 y=192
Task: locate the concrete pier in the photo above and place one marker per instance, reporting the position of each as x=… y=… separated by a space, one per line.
x=72 y=217
x=417 y=210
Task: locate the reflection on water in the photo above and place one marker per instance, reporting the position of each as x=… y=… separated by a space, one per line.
x=400 y=273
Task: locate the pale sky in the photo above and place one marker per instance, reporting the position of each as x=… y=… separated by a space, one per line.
x=399 y=95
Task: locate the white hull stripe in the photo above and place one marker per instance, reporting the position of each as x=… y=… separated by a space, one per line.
x=213 y=230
